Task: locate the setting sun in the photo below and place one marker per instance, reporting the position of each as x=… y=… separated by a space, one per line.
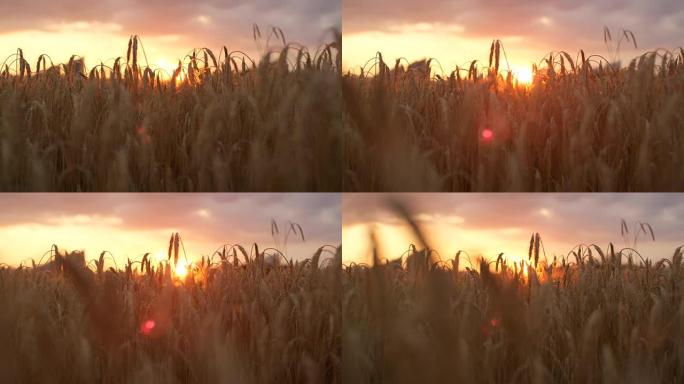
x=167 y=66
x=523 y=75
x=181 y=270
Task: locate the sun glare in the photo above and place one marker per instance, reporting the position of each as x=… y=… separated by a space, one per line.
x=181 y=270
x=167 y=66
x=523 y=75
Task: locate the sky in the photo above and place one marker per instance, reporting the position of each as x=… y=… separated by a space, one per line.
x=169 y=29
x=458 y=31
x=487 y=224
x=129 y=225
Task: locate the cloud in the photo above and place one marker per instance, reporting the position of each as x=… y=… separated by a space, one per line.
x=205 y=220
x=211 y=23
x=572 y=218
x=152 y=210
x=545 y=24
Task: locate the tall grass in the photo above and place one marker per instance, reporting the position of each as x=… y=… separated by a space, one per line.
x=220 y=122
x=585 y=124
x=597 y=315
x=247 y=316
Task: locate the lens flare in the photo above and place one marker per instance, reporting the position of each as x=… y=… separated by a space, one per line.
x=487 y=134
x=147 y=327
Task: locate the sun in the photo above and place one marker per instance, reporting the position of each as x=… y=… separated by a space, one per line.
x=167 y=66
x=523 y=75
x=181 y=270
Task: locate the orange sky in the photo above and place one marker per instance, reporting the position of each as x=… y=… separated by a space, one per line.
x=458 y=31
x=129 y=225
x=99 y=31
x=487 y=224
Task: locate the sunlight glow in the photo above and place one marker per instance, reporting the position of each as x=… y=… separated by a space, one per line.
x=167 y=66
x=447 y=43
x=523 y=75
x=181 y=270
x=447 y=238
x=99 y=45
x=160 y=255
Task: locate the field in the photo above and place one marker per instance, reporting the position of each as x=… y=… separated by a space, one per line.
x=583 y=124
x=221 y=122
x=238 y=316
x=593 y=316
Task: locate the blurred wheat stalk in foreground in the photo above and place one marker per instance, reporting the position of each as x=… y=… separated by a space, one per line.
x=595 y=316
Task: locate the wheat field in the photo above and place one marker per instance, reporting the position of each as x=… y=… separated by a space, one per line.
x=584 y=124
x=597 y=315
x=239 y=316
x=221 y=121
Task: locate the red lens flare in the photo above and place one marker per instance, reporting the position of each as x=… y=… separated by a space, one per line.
x=147 y=327
x=487 y=134
x=489 y=327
